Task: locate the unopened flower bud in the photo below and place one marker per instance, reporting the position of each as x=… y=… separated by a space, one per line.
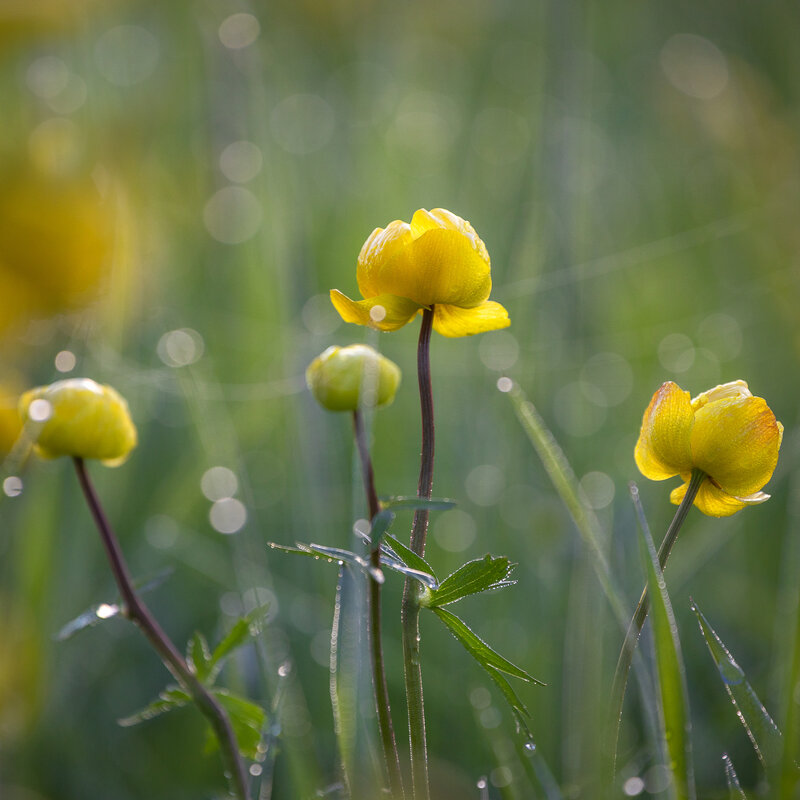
x=344 y=378
x=78 y=417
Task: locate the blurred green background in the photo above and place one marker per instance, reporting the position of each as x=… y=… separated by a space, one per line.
x=180 y=186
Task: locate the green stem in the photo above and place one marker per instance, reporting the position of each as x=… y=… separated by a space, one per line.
x=410 y=607
x=640 y=615
x=385 y=727
x=137 y=612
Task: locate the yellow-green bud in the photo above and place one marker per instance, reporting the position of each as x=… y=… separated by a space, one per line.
x=78 y=417
x=344 y=378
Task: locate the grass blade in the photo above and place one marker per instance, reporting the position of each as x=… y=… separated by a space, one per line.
x=732 y=779
x=565 y=483
x=671 y=677
x=762 y=731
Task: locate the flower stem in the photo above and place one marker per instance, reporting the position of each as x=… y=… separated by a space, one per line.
x=642 y=609
x=385 y=727
x=410 y=607
x=136 y=611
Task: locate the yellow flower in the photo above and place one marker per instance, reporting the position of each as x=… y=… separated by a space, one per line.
x=78 y=417
x=435 y=261
x=343 y=378
x=727 y=433
x=10 y=424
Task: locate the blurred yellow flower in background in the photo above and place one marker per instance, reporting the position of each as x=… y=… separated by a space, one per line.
x=23 y=19
x=78 y=417
x=10 y=422
x=726 y=432
x=56 y=241
x=439 y=261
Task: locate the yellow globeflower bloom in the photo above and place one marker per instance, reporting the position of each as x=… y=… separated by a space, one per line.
x=435 y=261
x=10 y=425
x=78 y=417
x=727 y=433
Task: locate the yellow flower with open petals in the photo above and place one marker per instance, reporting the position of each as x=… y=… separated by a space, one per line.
x=435 y=261
x=78 y=417
x=727 y=433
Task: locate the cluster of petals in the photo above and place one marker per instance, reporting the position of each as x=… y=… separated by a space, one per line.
x=436 y=261
x=726 y=432
x=78 y=417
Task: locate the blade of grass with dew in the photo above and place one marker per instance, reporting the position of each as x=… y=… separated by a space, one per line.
x=761 y=729
x=732 y=779
x=563 y=478
x=671 y=676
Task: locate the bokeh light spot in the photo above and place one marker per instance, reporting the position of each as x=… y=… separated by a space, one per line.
x=505 y=384
x=241 y=161
x=227 y=515
x=319 y=315
x=676 y=352
x=455 y=531
x=232 y=215
x=12 y=486
x=126 y=55
x=377 y=313
x=499 y=352
x=161 y=531
x=485 y=484
x=65 y=361
x=239 y=30
x=219 y=483
x=180 y=347
x=302 y=123
x=694 y=66
x=607 y=379
x=47 y=77
x=633 y=787
x=596 y=490
x=40 y=410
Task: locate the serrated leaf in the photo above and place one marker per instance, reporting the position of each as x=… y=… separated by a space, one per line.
x=762 y=731
x=481 y=575
x=413 y=502
x=198 y=656
x=171 y=698
x=732 y=779
x=478 y=649
x=247 y=720
x=671 y=676
x=406 y=556
x=240 y=633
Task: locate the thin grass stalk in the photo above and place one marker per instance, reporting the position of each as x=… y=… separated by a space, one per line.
x=385 y=727
x=410 y=605
x=136 y=611
x=640 y=615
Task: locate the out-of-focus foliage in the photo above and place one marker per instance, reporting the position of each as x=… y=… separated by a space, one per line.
x=182 y=184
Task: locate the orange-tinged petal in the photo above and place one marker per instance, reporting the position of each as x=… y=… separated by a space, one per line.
x=714 y=502
x=384 y=312
x=736 y=441
x=453 y=321
x=663 y=449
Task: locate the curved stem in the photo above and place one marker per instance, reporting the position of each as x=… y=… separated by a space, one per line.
x=137 y=612
x=383 y=708
x=642 y=609
x=410 y=605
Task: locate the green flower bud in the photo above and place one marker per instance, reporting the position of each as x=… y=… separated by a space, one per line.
x=344 y=378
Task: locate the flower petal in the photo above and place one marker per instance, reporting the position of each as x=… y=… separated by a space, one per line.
x=442 y=265
x=714 y=502
x=736 y=441
x=722 y=392
x=663 y=449
x=453 y=321
x=385 y=312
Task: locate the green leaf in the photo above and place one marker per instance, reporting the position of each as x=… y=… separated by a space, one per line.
x=732 y=779
x=88 y=619
x=198 y=656
x=406 y=556
x=247 y=720
x=763 y=732
x=105 y=611
x=172 y=697
x=478 y=649
x=565 y=483
x=671 y=676
x=414 y=502
x=481 y=575
x=240 y=633
x=381 y=523
x=518 y=708
x=348 y=557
